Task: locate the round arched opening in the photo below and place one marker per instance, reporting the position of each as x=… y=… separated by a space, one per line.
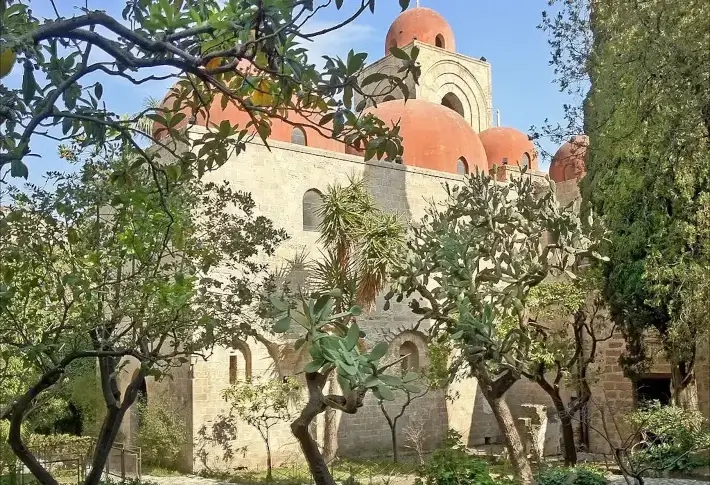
x=298 y=136
x=461 y=166
x=452 y=102
x=440 y=42
x=525 y=161
x=312 y=201
x=409 y=353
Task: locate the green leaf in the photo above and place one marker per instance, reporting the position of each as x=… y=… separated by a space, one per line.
x=18 y=169
x=72 y=236
x=412 y=389
x=98 y=91
x=283 y=325
x=386 y=393
x=356 y=310
x=392 y=381
x=29 y=85
x=350 y=370
x=352 y=337
x=314 y=366
x=399 y=53
x=410 y=376
x=373 y=78
x=299 y=343
x=278 y=303
x=378 y=351
x=404 y=4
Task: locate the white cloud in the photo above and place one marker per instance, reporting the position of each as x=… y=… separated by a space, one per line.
x=337 y=42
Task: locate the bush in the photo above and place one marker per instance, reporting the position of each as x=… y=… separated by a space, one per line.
x=670 y=438
x=161 y=435
x=451 y=465
x=581 y=475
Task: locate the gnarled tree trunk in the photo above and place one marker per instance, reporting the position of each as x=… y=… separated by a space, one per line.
x=684 y=388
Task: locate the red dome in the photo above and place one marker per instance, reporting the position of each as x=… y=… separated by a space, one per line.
x=569 y=161
x=433 y=136
x=508 y=145
x=280 y=130
x=422 y=24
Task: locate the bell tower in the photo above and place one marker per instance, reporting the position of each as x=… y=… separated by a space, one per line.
x=459 y=82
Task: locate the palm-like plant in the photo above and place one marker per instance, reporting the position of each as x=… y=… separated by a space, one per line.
x=361 y=242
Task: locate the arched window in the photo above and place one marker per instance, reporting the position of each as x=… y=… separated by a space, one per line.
x=298 y=136
x=239 y=363
x=570 y=172
x=389 y=97
x=312 y=200
x=440 y=41
x=461 y=166
x=452 y=101
x=411 y=362
x=525 y=161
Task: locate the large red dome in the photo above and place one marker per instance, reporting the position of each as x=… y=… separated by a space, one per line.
x=433 y=136
x=569 y=161
x=422 y=24
x=508 y=146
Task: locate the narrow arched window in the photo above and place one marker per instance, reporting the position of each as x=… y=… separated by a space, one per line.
x=312 y=200
x=461 y=166
x=298 y=136
x=439 y=41
x=525 y=161
x=239 y=363
x=409 y=352
x=452 y=102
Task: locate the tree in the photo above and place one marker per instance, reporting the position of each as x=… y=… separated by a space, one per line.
x=110 y=269
x=474 y=259
x=263 y=405
x=574 y=307
x=647 y=114
x=243 y=53
x=434 y=376
x=361 y=243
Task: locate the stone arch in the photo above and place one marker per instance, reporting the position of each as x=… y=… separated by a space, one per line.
x=451 y=101
x=312 y=201
x=462 y=166
x=451 y=76
x=440 y=42
x=298 y=136
x=240 y=363
x=525 y=160
x=409 y=352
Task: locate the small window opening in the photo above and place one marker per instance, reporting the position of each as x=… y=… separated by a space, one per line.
x=411 y=362
x=461 y=166
x=440 y=41
x=298 y=136
x=525 y=161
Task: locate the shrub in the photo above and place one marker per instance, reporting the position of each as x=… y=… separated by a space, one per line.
x=160 y=435
x=670 y=438
x=451 y=465
x=581 y=475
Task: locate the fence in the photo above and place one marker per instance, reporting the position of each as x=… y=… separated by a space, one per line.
x=69 y=462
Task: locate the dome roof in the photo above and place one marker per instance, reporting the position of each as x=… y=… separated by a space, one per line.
x=281 y=130
x=422 y=24
x=433 y=136
x=508 y=144
x=569 y=161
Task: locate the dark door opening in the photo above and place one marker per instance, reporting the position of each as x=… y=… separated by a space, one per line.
x=653 y=388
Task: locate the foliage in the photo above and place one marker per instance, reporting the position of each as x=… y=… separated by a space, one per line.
x=161 y=435
x=263 y=405
x=107 y=267
x=240 y=53
x=580 y=475
x=671 y=436
x=647 y=114
x=452 y=465
x=473 y=260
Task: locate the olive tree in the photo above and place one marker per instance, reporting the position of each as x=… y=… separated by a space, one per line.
x=472 y=261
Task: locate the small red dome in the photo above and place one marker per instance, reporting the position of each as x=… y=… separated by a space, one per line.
x=569 y=161
x=281 y=130
x=433 y=136
x=508 y=146
x=422 y=24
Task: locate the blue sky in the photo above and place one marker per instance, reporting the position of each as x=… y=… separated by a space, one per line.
x=505 y=32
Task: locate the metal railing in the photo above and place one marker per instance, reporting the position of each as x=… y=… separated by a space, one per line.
x=124 y=461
